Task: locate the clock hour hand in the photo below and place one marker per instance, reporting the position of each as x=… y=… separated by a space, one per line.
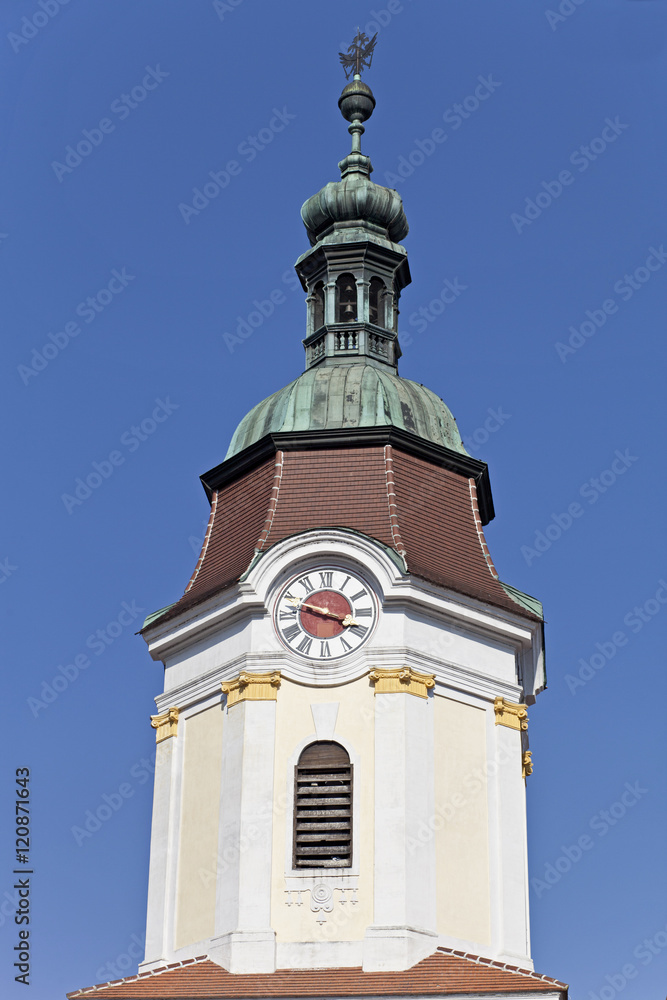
x=346 y=620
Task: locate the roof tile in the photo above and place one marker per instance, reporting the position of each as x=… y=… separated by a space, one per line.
x=442 y=974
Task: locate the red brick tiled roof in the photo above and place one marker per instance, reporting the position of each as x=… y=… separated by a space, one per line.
x=444 y=973
x=425 y=512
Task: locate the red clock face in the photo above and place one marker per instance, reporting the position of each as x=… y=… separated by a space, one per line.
x=325 y=613
x=321 y=623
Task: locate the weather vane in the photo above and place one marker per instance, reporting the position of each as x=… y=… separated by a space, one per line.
x=359 y=55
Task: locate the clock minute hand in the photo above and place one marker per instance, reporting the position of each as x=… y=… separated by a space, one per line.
x=311 y=607
x=346 y=620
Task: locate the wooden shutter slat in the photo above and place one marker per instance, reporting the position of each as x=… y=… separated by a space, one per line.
x=324 y=838
x=331 y=825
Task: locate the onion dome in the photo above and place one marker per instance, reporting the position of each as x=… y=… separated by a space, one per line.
x=347 y=397
x=355 y=200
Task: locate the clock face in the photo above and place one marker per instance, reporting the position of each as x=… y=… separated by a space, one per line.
x=325 y=614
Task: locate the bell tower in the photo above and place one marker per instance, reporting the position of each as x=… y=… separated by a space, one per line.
x=342 y=745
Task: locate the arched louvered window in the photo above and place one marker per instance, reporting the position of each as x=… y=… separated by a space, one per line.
x=376 y=307
x=346 y=298
x=323 y=807
x=318 y=306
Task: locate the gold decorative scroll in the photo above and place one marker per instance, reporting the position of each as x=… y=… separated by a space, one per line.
x=251 y=687
x=403 y=681
x=526 y=763
x=165 y=724
x=510 y=715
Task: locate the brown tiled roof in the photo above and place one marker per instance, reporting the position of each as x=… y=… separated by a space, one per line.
x=425 y=512
x=442 y=974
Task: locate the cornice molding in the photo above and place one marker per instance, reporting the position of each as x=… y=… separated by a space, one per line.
x=402 y=681
x=251 y=687
x=165 y=724
x=360 y=437
x=510 y=714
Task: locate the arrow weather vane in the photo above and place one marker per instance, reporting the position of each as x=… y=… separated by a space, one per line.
x=359 y=54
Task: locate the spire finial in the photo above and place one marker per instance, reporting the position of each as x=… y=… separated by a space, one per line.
x=356 y=103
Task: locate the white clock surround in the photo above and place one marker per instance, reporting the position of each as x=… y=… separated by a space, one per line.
x=391 y=908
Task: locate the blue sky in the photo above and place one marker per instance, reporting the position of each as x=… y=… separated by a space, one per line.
x=541 y=200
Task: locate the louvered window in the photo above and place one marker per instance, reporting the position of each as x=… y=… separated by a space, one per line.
x=323 y=807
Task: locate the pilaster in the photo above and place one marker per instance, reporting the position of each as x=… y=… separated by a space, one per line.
x=161 y=873
x=244 y=940
x=514 y=933
x=404 y=928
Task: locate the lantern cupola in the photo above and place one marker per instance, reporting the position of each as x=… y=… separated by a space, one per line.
x=356 y=268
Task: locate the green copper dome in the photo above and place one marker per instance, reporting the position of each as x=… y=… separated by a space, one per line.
x=345 y=397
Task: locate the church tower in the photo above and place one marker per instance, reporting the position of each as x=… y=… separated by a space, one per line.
x=342 y=750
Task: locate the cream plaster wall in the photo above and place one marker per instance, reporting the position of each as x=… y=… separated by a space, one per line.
x=462 y=827
x=198 y=848
x=354 y=728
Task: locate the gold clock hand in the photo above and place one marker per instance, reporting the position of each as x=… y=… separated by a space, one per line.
x=346 y=620
x=314 y=607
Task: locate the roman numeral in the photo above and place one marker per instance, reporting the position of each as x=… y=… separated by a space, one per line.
x=359 y=630
x=326 y=579
x=306 y=584
x=305 y=644
x=344 y=583
x=356 y=597
x=363 y=613
x=291 y=632
x=285 y=615
x=324 y=649
x=346 y=645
